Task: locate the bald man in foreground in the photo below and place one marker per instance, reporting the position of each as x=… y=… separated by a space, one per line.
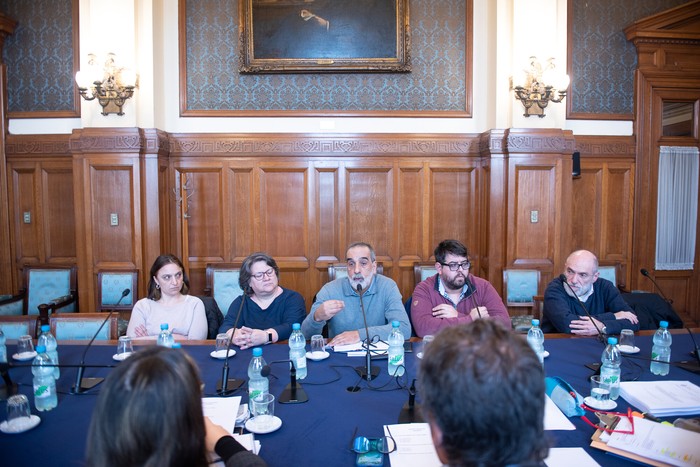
x=609 y=311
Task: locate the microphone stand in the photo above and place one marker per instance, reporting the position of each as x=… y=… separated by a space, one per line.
x=411 y=413
x=646 y=274
x=10 y=388
x=367 y=372
x=230 y=385
x=601 y=336
x=83 y=385
x=293 y=393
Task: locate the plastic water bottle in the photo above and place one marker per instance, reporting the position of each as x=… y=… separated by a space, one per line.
x=49 y=341
x=610 y=369
x=535 y=337
x=297 y=350
x=44 y=383
x=3 y=348
x=395 y=366
x=661 y=350
x=257 y=383
x=165 y=338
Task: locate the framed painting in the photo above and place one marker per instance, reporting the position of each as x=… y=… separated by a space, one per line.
x=321 y=36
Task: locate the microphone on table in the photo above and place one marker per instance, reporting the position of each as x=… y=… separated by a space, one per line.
x=646 y=274
x=366 y=372
x=226 y=386
x=601 y=336
x=411 y=413
x=692 y=365
x=293 y=393
x=82 y=385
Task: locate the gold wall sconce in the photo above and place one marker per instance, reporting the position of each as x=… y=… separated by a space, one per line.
x=539 y=86
x=111 y=85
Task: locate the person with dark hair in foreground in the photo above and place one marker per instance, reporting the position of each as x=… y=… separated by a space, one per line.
x=483 y=395
x=149 y=413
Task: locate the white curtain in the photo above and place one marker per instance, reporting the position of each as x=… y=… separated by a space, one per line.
x=677 y=209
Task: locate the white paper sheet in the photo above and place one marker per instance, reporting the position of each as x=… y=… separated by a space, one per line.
x=554 y=419
x=414 y=445
x=566 y=457
x=222 y=410
x=662 y=398
x=356 y=350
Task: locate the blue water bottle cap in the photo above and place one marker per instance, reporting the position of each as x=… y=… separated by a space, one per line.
x=163 y=326
x=176 y=345
x=40 y=349
x=535 y=322
x=45 y=327
x=395 y=324
x=296 y=326
x=663 y=324
x=612 y=340
x=257 y=352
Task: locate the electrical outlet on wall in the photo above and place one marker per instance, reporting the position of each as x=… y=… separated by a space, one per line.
x=534 y=217
x=114 y=219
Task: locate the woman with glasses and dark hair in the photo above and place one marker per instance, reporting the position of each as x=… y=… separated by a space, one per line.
x=168 y=302
x=268 y=310
x=454 y=295
x=149 y=412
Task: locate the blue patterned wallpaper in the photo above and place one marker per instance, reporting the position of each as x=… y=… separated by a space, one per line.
x=39 y=56
x=437 y=82
x=603 y=61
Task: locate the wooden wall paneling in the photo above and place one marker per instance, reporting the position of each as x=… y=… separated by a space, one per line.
x=240 y=238
x=369 y=207
x=494 y=216
x=325 y=217
x=616 y=239
x=587 y=207
x=413 y=215
x=59 y=212
x=25 y=198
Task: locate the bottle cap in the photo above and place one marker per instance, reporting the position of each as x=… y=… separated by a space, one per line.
x=163 y=326
x=176 y=345
x=40 y=349
x=257 y=352
x=612 y=340
x=45 y=327
x=535 y=322
x=663 y=324
x=296 y=326
x=395 y=324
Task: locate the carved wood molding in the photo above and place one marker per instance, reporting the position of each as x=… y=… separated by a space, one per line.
x=119 y=140
x=606 y=146
x=37 y=145
x=315 y=145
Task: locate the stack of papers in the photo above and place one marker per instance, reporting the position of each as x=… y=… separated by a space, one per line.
x=223 y=411
x=356 y=349
x=662 y=398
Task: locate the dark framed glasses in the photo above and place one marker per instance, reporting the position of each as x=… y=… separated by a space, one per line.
x=455 y=266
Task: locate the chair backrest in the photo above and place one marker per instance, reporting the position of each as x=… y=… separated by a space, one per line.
x=82 y=326
x=423 y=270
x=337 y=270
x=611 y=271
x=15 y=326
x=111 y=285
x=538 y=307
x=48 y=282
x=521 y=285
x=222 y=284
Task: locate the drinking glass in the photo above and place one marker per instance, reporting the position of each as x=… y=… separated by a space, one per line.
x=421 y=348
x=124 y=347
x=627 y=340
x=600 y=390
x=263 y=411
x=318 y=345
x=25 y=345
x=222 y=343
x=18 y=413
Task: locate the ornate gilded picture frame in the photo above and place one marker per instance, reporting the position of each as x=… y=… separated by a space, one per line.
x=322 y=36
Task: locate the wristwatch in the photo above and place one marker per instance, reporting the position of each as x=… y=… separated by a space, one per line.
x=604 y=330
x=269 y=338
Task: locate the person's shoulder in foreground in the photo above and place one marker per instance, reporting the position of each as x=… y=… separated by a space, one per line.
x=465 y=409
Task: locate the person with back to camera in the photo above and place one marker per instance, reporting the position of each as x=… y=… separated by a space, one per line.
x=483 y=396
x=563 y=312
x=338 y=302
x=453 y=296
x=269 y=310
x=168 y=302
x=149 y=413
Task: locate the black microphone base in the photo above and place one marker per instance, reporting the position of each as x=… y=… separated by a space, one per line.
x=85 y=385
x=7 y=391
x=410 y=414
x=231 y=385
x=362 y=371
x=690 y=365
x=293 y=395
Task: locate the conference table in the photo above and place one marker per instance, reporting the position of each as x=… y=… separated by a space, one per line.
x=319 y=431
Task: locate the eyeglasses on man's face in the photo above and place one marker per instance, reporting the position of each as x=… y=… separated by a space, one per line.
x=259 y=276
x=465 y=265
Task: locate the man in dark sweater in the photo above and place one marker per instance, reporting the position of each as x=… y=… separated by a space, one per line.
x=610 y=313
